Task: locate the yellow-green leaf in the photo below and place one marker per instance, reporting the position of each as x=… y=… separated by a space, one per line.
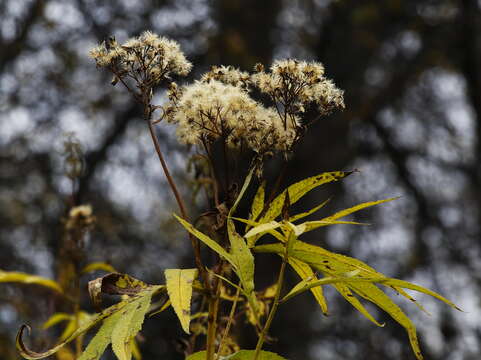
x=55 y=319
x=247 y=181
x=129 y=325
x=305 y=272
x=240 y=355
x=262 y=228
x=20 y=277
x=242 y=257
x=251 y=240
x=307 y=213
x=258 y=202
x=179 y=287
x=299 y=189
x=98 y=266
x=102 y=338
x=205 y=239
x=345 y=212
x=83 y=326
x=161 y=309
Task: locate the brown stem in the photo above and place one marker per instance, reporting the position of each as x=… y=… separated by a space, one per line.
x=178 y=198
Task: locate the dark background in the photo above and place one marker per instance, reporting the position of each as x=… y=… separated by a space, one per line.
x=411 y=71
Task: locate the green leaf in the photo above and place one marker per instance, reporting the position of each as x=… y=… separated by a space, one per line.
x=258 y=202
x=102 y=338
x=262 y=228
x=162 y=308
x=98 y=266
x=205 y=239
x=179 y=288
x=353 y=209
x=129 y=325
x=249 y=355
x=240 y=355
x=83 y=326
x=20 y=277
x=242 y=191
x=305 y=272
x=307 y=213
x=332 y=264
x=273 y=232
x=55 y=319
x=299 y=189
x=242 y=257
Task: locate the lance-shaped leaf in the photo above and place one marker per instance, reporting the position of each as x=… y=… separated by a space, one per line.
x=29 y=354
x=55 y=319
x=332 y=264
x=307 y=213
x=299 y=189
x=262 y=228
x=129 y=325
x=20 y=277
x=240 y=355
x=258 y=202
x=88 y=321
x=102 y=338
x=96 y=266
x=242 y=257
x=179 y=287
x=331 y=220
x=205 y=239
x=305 y=272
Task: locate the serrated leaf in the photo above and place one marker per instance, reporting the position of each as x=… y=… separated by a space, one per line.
x=247 y=181
x=20 y=277
x=84 y=326
x=129 y=325
x=179 y=287
x=305 y=272
x=205 y=239
x=242 y=257
x=98 y=266
x=102 y=338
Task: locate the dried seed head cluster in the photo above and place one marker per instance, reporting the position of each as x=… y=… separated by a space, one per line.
x=210 y=110
x=221 y=105
x=227 y=75
x=296 y=84
x=147 y=59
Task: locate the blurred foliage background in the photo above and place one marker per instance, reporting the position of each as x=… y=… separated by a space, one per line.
x=411 y=71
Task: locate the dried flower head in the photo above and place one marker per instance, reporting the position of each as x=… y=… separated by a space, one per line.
x=80 y=217
x=295 y=84
x=210 y=110
x=147 y=59
x=227 y=75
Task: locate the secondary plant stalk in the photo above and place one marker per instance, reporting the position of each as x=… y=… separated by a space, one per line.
x=272 y=313
x=180 y=202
